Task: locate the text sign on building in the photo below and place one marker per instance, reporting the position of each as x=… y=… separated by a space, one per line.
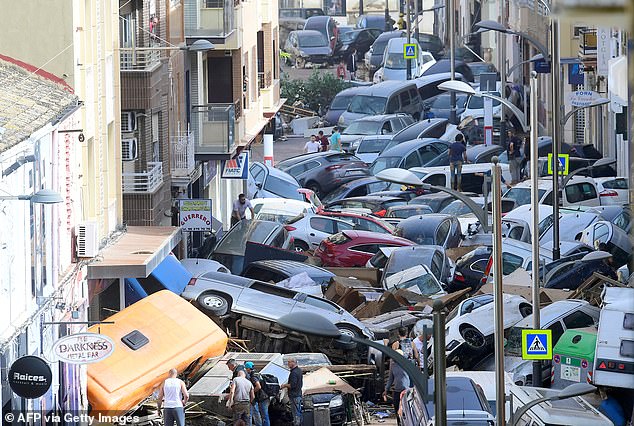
x=409 y=51
x=83 y=348
x=30 y=377
x=583 y=98
x=537 y=344
x=194 y=214
x=236 y=168
x=604 y=50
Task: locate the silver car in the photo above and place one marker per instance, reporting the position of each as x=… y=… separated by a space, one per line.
x=309 y=230
x=218 y=293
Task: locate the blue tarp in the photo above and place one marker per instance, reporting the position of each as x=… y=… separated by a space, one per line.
x=168 y=275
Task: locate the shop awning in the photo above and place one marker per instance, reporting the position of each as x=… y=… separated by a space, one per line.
x=136 y=254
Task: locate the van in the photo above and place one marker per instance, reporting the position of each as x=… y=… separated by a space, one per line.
x=159 y=332
x=327 y=26
x=394 y=65
x=388 y=97
x=579 y=191
x=614 y=355
x=472 y=176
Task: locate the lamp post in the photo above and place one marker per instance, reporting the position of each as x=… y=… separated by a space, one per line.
x=43 y=196
x=571 y=391
x=488 y=25
x=535 y=58
x=450 y=13
x=408 y=61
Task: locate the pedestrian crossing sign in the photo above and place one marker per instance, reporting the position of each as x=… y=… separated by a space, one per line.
x=537 y=344
x=564 y=161
x=409 y=51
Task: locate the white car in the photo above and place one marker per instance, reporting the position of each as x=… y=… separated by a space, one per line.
x=612 y=190
x=579 y=191
x=280 y=210
x=394 y=66
x=418 y=279
x=309 y=230
x=470 y=325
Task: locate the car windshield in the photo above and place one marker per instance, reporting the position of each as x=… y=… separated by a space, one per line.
x=456 y=208
x=235 y=240
x=513 y=344
x=396 y=61
x=341 y=102
x=379 y=46
x=349 y=36
x=312 y=40
x=363 y=127
x=282 y=188
x=383 y=163
x=477 y=102
x=416 y=279
x=371 y=145
x=405 y=213
x=362 y=104
x=521 y=196
x=444 y=101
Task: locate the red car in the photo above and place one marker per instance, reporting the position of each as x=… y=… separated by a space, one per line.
x=354 y=248
x=361 y=221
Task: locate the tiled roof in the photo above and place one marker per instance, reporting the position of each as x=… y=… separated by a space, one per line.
x=29 y=99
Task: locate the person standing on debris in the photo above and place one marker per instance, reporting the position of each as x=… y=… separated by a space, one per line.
x=312 y=145
x=233 y=366
x=173 y=396
x=514 y=153
x=399 y=378
x=457 y=154
x=262 y=399
x=294 y=386
x=335 y=139
x=323 y=140
x=240 y=207
x=241 y=395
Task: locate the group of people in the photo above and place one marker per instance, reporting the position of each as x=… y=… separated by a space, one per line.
x=321 y=143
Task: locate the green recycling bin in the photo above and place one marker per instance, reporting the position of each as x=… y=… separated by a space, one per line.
x=573 y=358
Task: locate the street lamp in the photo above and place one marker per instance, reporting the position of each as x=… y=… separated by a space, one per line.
x=43 y=196
x=575 y=389
x=462 y=87
x=488 y=25
x=535 y=58
x=594 y=103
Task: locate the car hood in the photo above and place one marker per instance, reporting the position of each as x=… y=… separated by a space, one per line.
x=333 y=115
x=320 y=50
x=349 y=117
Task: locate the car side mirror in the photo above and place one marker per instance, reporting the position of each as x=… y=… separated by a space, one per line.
x=468 y=309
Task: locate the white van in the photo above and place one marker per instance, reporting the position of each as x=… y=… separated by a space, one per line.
x=394 y=66
x=472 y=176
x=614 y=356
x=579 y=191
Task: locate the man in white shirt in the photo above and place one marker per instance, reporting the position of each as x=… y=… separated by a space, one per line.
x=173 y=396
x=240 y=207
x=312 y=145
x=242 y=395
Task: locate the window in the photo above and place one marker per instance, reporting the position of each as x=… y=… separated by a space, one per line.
x=479 y=265
x=601 y=234
x=557 y=330
x=342 y=226
x=580 y=192
x=262 y=274
x=257 y=172
x=322 y=225
x=578 y=319
x=392 y=106
x=427 y=153
x=628 y=321
x=366 y=248
x=297 y=170
x=436 y=265
x=510 y=263
x=516 y=233
x=411 y=161
x=376 y=186
x=442 y=232
x=386 y=129
x=404 y=97
x=273 y=289
x=321 y=304
x=436 y=180
x=440 y=147
x=627 y=348
x=615 y=184
x=279 y=239
x=622 y=220
x=282 y=188
x=413 y=93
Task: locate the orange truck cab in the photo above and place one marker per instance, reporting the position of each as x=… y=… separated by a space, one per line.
x=159 y=332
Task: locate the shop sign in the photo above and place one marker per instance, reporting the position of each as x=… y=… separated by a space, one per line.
x=30 y=377
x=83 y=348
x=195 y=214
x=236 y=168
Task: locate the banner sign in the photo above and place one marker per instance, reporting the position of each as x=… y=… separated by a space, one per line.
x=83 y=348
x=194 y=214
x=236 y=168
x=583 y=98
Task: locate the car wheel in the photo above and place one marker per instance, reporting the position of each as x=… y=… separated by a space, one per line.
x=473 y=337
x=315 y=188
x=300 y=63
x=301 y=246
x=526 y=310
x=213 y=303
x=347 y=331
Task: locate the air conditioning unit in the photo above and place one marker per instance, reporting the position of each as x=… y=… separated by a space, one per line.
x=128 y=121
x=87 y=239
x=129 y=149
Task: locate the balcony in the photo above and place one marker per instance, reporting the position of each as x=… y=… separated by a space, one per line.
x=214 y=125
x=140 y=60
x=213 y=20
x=183 y=162
x=144 y=182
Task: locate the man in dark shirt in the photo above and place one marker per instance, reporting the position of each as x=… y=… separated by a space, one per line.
x=235 y=368
x=457 y=153
x=294 y=386
x=323 y=140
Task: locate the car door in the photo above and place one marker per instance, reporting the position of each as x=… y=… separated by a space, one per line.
x=319 y=228
x=257 y=175
x=411 y=160
x=583 y=194
x=279 y=301
x=323 y=307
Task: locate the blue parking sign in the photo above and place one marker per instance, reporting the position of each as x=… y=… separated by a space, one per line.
x=537 y=344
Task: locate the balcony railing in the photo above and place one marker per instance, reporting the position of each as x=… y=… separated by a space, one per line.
x=148 y=181
x=216 y=18
x=217 y=123
x=139 y=60
x=183 y=151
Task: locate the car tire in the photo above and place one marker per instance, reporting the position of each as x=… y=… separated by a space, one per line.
x=473 y=337
x=526 y=310
x=313 y=186
x=350 y=331
x=300 y=246
x=213 y=303
x=300 y=63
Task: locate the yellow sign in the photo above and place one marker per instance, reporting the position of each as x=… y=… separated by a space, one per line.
x=537 y=344
x=564 y=161
x=409 y=51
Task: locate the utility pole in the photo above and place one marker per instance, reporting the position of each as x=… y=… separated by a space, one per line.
x=450 y=24
x=409 y=37
x=440 y=381
x=416 y=13
x=556 y=104
x=502 y=65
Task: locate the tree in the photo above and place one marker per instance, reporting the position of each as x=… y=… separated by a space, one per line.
x=315 y=92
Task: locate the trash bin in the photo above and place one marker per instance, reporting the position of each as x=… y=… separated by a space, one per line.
x=573 y=358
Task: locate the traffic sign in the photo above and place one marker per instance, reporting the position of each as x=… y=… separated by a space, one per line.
x=409 y=51
x=564 y=162
x=537 y=344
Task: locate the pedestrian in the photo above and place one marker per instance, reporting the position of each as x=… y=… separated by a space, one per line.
x=240 y=207
x=241 y=395
x=401 y=21
x=457 y=154
x=352 y=64
x=514 y=153
x=527 y=154
x=234 y=367
x=312 y=145
x=400 y=380
x=335 y=139
x=323 y=140
x=294 y=386
x=341 y=69
x=418 y=347
x=262 y=400
x=173 y=396
x=406 y=345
